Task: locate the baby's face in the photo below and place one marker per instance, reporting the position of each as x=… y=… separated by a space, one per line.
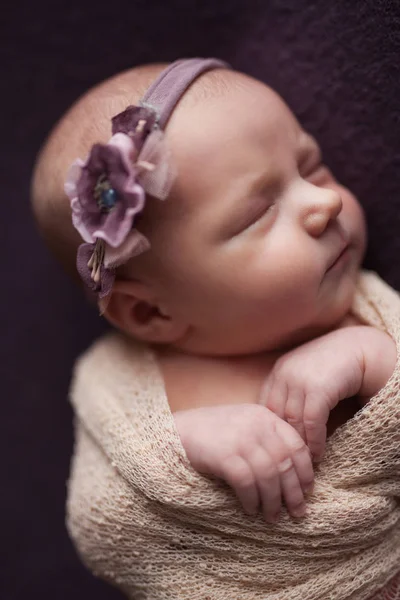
x=246 y=244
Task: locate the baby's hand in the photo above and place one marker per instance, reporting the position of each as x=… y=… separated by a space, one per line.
x=259 y=455
x=308 y=382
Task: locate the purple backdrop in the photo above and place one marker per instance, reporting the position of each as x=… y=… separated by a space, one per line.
x=337 y=65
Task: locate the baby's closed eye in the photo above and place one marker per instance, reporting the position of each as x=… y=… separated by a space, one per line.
x=265 y=210
x=253 y=210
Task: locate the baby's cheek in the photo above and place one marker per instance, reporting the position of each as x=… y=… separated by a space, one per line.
x=360 y=224
x=353 y=218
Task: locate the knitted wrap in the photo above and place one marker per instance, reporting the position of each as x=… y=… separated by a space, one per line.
x=144 y=520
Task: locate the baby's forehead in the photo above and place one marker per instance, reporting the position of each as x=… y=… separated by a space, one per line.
x=229 y=134
x=224 y=149
x=248 y=113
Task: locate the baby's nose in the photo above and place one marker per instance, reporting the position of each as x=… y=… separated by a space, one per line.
x=324 y=205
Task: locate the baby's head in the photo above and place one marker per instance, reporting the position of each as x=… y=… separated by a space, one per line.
x=241 y=250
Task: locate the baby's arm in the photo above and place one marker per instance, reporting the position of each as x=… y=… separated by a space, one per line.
x=308 y=382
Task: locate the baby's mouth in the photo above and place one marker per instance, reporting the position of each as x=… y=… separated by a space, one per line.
x=336 y=258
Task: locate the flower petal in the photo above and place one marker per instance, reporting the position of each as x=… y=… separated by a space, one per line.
x=107 y=276
x=83 y=225
x=76 y=206
x=73 y=174
x=107 y=282
x=157 y=182
x=126 y=148
x=85 y=251
x=135 y=244
x=127 y=122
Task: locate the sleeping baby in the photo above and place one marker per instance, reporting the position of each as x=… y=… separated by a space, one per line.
x=213 y=232
x=242 y=280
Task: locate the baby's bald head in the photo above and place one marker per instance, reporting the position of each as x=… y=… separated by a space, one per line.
x=88 y=122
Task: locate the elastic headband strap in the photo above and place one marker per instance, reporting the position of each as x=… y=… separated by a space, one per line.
x=165 y=92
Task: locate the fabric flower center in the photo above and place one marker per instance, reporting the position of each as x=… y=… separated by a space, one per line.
x=105 y=195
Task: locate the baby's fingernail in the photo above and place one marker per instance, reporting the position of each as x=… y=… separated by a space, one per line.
x=273 y=518
x=300 y=511
x=251 y=511
x=309 y=489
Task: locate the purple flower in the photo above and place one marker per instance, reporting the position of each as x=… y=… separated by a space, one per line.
x=104 y=194
x=107 y=191
x=90 y=265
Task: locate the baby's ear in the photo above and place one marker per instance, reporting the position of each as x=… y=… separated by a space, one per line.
x=133 y=308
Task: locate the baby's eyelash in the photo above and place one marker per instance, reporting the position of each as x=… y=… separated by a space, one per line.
x=260 y=215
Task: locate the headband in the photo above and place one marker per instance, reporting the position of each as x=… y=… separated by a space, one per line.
x=108 y=189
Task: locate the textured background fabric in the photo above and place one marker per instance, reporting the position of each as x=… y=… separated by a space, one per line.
x=337 y=65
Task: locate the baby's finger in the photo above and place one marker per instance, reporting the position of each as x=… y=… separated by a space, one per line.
x=316 y=438
x=273 y=396
x=294 y=411
x=238 y=474
x=267 y=477
x=316 y=414
x=291 y=488
x=289 y=484
x=300 y=457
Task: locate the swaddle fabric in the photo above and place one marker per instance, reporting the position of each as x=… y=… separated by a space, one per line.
x=144 y=520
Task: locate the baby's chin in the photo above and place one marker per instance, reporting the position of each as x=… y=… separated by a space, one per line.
x=340 y=305
x=332 y=316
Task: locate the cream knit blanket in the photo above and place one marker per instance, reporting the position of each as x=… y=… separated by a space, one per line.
x=143 y=519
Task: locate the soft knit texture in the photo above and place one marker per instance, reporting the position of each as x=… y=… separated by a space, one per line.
x=144 y=520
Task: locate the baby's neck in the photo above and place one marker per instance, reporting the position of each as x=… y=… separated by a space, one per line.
x=193 y=380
